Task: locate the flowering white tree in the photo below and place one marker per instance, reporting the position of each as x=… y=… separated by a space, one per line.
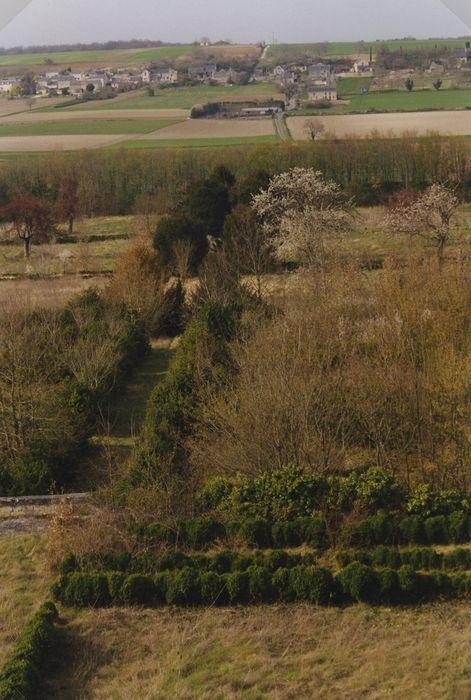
x=430 y=217
x=303 y=215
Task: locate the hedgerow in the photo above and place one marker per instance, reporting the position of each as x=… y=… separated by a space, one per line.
x=21 y=675
x=189 y=587
x=422 y=558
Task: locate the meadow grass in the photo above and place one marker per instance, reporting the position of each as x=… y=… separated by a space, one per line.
x=195 y=142
x=403 y=101
x=86 y=127
x=281 y=652
x=25 y=585
x=185 y=97
x=111 y=57
x=292 y=52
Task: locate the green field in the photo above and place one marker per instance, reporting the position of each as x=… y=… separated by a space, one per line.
x=185 y=97
x=195 y=142
x=352 y=86
x=104 y=58
x=401 y=101
x=293 y=52
x=86 y=127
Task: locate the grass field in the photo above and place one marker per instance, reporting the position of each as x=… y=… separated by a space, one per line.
x=352 y=86
x=292 y=52
x=92 y=58
x=185 y=98
x=84 y=127
x=402 y=101
x=195 y=142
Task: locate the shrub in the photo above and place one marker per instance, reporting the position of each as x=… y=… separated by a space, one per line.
x=281 y=582
x=222 y=562
x=458 y=527
x=260 y=584
x=20 y=677
x=138 y=590
x=314 y=532
x=359 y=582
x=255 y=532
x=201 y=532
x=160 y=587
x=408 y=583
x=238 y=587
x=68 y=564
x=388 y=585
x=86 y=590
x=183 y=587
x=286 y=534
x=412 y=530
x=115 y=586
x=213 y=589
x=311 y=584
x=436 y=530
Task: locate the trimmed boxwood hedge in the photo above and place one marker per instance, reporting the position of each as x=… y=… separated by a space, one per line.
x=421 y=558
x=189 y=587
x=202 y=533
x=20 y=677
x=390 y=529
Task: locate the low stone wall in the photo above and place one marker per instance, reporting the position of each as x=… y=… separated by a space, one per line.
x=36 y=506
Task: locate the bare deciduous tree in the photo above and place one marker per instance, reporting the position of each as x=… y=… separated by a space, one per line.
x=314 y=128
x=32 y=220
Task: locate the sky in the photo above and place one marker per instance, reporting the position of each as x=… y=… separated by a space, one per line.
x=71 y=21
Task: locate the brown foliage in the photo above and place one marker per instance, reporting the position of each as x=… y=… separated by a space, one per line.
x=32 y=220
x=357 y=370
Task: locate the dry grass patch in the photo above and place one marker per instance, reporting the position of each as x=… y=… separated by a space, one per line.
x=25 y=582
x=215 y=128
x=282 y=653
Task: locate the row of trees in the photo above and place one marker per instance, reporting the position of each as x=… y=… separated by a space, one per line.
x=128 y=182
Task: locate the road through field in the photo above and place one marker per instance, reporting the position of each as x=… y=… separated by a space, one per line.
x=451 y=123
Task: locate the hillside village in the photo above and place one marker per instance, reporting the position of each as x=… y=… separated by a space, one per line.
x=304 y=84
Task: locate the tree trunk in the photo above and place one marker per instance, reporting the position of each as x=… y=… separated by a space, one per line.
x=71 y=225
x=27 y=247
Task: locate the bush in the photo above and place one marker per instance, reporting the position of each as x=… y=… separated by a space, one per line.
x=115 y=586
x=68 y=564
x=436 y=530
x=359 y=583
x=458 y=527
x=260 y=584
x=286 y=534
x=408 y=584
x=85 y=590
x=281 y=582
x=20 y=677
x=213 y=589
x=413 y=530
x=238 y=587
x=255 y=532
x=311 y=584
x=138 y=590
x=183 y=587
x=388 y=586
x=202 y=532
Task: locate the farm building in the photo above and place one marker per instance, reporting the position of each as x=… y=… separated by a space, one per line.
x=323 y=93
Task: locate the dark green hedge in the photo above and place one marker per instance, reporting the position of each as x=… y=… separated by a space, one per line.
x=390 y=529
x=21 y=675
x=188 y=586
x=200 y=533
x=420 y=558
x=223 y=562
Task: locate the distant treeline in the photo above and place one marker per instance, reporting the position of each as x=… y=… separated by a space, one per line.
x=121 y=182
x=96 y=46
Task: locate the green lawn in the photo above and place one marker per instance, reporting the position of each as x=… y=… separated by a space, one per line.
x=353 y=86
x=195 y=143
x=105 y=58
x=185 y=98
x=401 y=101
x=86 y=128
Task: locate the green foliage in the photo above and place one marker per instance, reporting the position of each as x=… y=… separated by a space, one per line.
x=184 y=587
x=21 y=675
x=358 y=583
x=180 y=227
x=173 y=406
x=260 y=584
x=238 y=587
x=213 y=589
x=202 y=532
x=255 y=532
x=138 y=590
